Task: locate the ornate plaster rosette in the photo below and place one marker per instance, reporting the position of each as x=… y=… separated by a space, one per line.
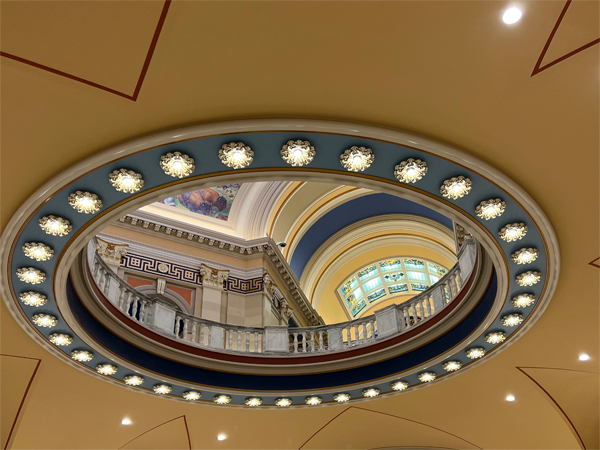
x=399 y=385
x=82 y=355
x=177 y=165
x=253 y=401
x=106 y=369
x=298 y=153
x=410 y=171
x=451 y=366
x=31 y=275
x=222 y=399
x=44 y=320
x=283 y=402
x=525 y=256
x=357 y=159
x=31 y=298
x=523 y=300
x=313 y=400
x=55 y=226
x=85 y=202
x=512 y=320
x=513 y=232
x=456 y=187
x=38 y=251
x=60 y=339
x=236 y=155
x=475 y=352
x=342 y=397
x=426 y=377
x=370 y=392
x=529 y=278
x=127 y=181
x=490 y=209
x=496 y=337
x=192 y=395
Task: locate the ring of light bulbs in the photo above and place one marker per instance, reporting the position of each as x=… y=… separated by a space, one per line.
x=296 y=153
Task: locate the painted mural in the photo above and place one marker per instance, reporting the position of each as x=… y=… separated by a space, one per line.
x=212 y=202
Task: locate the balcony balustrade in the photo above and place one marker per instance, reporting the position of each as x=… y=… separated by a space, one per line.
x=393 y=320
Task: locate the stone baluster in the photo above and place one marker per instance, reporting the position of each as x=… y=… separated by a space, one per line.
x=349 y=337
x=106 y=286
x=128 y=303
x=209 y=335
x=295 y=342
x=201 y=342
x=256 y=342
x=321 y=343
x=186 y=325
x=247 y=341
x=239 y=341
x=312 y=341
x=303 y=334
x=372 y=326
x=230 y=339
x=142 y=311
x=194 y=327
x=96 y=272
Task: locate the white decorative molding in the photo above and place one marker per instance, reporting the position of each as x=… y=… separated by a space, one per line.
x=213 y=278
x=111 y=253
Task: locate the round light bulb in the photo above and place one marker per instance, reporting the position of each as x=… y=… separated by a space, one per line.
x=584 y=357
x=510 y=398
x=221 y=437
x=54 y=225
x=126 y=421
x=177 y=165
x=511 y=15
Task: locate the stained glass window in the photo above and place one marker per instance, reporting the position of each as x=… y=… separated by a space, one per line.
x=390 y=264
x=393 y=277
x=387 y=278
x=398 y=288
x=376 y=295
x=419 y=287
x=414 y=264
x=367 y=272
x=349 y=285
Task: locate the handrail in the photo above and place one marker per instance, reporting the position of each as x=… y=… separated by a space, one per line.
x=393 y=320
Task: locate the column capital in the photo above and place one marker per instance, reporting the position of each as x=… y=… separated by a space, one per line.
x=213 y=278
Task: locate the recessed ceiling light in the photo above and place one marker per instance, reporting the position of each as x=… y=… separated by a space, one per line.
x=510 y=398
x=126 y=421
x=85 y=202
x=236 y=155
x=410 y=171
x=584 y=357
x=511 y=15
x=37 y=251
x=177 y=164
x=31 y=275
x=298 y=153
x=357 y=159
x=55 y=226
x=221 y=437
x=31 y=298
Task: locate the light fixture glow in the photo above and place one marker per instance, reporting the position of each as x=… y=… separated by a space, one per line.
x=513 y=232
x=31 y=298
x=399 y=385
x=490 y=209
x=283 y=402
x=525 y=256
x=177 y=164
x=236 y=155
x=60 y=339
x=427 y=377
x=584 y=357
x=82 y=355
x=313 y=400
x=511 y=15
x=370 y=392
x=192 y=395
x=133 y=380
x=410 y=171
x=456 y=187
x=510 y=398
x=85 y=202
x=512 y=320
x=55 y=226
x=222 y=399
x=475 y=352
x=298 y=153
x=31 y=275
x=357 y=159
x=44 y=320
x=451 y=366
x=162 y=389
x=523 y=300
x=342 y=397
x=529 y=278
x=221 y=437
x=106 y=369
x=126 y=421
x=37 y=251
x=496 y=337
x=253 y=401
x=127 y=181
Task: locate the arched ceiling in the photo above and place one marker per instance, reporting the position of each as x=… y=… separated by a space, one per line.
x=449 y=70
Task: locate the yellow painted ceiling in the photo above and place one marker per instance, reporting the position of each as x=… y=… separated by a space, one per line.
x=448 y=70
